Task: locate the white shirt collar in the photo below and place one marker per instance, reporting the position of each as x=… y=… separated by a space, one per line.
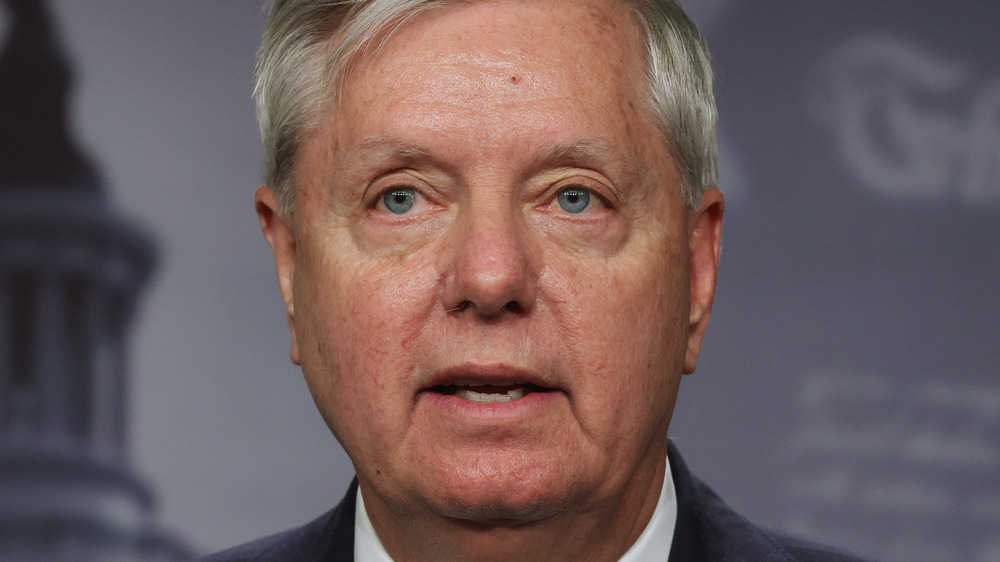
x=367 y=546
x=653 y=545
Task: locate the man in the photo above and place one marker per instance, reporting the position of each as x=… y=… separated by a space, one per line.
x=496 y=232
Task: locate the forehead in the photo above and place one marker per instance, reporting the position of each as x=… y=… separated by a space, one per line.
x=526 y=26
x=533 y=23
x=482 y=59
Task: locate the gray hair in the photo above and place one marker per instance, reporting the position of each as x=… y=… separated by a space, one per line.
x=309 y=46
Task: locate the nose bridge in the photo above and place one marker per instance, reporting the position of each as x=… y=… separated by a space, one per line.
x=491 y=264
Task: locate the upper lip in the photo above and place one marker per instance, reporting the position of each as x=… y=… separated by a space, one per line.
x=486 y=375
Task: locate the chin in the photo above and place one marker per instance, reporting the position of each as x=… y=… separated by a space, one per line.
x=502 y=494
x=497 y=509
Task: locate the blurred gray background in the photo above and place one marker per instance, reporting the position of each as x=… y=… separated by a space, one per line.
x=848 y=386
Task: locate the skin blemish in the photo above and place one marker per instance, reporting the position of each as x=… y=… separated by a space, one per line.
x=515 y=80
x=408 y=341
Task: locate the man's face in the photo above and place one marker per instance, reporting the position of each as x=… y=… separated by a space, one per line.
x=492 y=282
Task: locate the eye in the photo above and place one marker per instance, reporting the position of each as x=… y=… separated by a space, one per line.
x=574 y=200
x=399 y=200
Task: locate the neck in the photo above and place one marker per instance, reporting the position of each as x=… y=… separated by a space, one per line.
x=592 y=530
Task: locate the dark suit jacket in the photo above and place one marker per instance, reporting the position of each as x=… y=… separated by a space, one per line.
x=706 y=531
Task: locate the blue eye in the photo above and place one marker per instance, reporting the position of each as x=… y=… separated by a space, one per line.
x=399 y=200
x=574 y=199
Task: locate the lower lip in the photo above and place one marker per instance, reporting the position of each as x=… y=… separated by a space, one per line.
x=533 y=404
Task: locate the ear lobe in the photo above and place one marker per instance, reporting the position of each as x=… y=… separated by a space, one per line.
x=278 y=232
x=705 y=242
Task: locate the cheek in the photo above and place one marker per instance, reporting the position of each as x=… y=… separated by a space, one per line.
x=356 y=324
x=387 y=306
x=625 y=323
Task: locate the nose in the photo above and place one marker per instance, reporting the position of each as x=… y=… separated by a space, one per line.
x=491 y=264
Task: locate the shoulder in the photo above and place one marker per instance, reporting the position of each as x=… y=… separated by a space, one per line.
x=807 y=551
x=708 y=529
x=291 y=545
x=328 y=537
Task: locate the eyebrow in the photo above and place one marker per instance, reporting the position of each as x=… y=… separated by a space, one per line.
x=579 y=149
x=585 y=150
x=384 y=152
x=589 y=152
x=393 y=147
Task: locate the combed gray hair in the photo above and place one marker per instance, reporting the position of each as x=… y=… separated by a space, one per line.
x=309 y=47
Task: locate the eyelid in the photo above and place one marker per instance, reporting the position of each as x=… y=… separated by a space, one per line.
x=599 y=190
x=397 y=179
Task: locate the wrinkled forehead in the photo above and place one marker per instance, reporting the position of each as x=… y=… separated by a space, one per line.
x=359 y=40
x=496 y=83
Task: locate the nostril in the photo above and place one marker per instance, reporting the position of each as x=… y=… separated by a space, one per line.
x=461 y=306
x=511 y=306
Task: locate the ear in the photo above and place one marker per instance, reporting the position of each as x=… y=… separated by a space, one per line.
x=705 y=238
x=278 y=232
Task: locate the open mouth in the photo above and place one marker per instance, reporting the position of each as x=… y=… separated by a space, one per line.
x=494 y=392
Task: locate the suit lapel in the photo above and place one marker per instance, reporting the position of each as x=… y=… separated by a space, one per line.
x=336 y=543
x=689 y=543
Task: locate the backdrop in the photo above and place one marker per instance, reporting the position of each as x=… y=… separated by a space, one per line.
x=848 y=387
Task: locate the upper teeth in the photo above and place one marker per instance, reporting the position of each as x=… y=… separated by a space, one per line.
x=512 y=394
x=478 y=382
